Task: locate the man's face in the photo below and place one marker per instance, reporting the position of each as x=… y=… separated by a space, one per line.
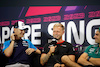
x=58 y=32
x=19 y=33
x=97 y=37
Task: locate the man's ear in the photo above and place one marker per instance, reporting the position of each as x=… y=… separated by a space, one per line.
x=14 y=30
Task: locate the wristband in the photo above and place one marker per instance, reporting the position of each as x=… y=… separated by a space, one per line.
x=88 y=58
x=12 y=40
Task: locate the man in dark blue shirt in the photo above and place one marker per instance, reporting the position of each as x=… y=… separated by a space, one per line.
x=17 y=49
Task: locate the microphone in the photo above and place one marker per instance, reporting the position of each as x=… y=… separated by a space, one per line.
x=54 y=41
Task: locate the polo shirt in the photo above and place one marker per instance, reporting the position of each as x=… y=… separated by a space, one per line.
x=63 y=48
x=93 y=51
x=19 y=55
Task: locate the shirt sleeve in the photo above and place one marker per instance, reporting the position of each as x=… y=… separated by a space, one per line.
x=45 y=48
x=71 y=50
x=6 y=45
x=31 y=45
x=87 y=49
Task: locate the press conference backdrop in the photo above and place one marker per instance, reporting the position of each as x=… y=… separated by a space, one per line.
x=80 y=23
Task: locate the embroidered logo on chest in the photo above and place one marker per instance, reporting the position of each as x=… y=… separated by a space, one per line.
x=25 y=43
x=15 y=44
x=91 y=50
x=63 y=45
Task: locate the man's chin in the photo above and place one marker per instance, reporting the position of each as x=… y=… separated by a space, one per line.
x=57 y=38
x=96 y=41
x=21 y=36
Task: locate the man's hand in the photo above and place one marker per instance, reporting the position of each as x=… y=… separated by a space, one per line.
x=62 y=65
x=52 y=49
x=59 y=65
x=29 y=51
x=13 y=36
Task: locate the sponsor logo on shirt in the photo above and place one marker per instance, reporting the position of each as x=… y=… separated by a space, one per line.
x=43 y=50
x=15 y=44
x=91 y=50
x=63 y=45
x=25 y=43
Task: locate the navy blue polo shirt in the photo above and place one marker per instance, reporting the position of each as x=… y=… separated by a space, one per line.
x=19 y=55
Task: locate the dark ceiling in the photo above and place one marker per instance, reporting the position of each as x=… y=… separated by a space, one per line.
x=48 y=2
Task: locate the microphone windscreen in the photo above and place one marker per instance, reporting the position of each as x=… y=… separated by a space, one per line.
x=54 y=41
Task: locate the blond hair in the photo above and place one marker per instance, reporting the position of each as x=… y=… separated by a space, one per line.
x=59 y=25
